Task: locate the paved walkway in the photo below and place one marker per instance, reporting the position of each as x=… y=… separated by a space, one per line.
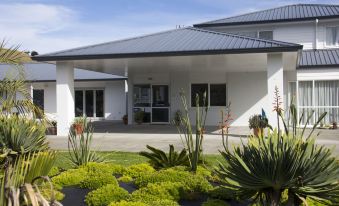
x=114 y=136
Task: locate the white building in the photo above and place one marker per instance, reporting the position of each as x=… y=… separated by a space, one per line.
x=239 y=59
x=98 y=96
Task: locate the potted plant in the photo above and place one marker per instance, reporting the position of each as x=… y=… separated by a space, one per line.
x=78 y=124
x=125 y=119
x=177 y=117
x=258 y=123
x=139 y=117
x=334 y=125
x=53 y=129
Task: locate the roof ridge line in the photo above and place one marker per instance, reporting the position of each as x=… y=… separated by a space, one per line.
x=114 y=41
x=245 y=37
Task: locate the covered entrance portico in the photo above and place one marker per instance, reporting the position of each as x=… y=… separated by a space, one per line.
x=242 y=70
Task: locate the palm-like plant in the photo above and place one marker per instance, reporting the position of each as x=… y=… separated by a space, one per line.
x=265 y=167
x=22 y=135
x=159 y=159
x=11 y=55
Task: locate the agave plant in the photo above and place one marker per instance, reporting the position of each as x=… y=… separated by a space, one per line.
x=159 y=159
x=22 y=135
x=79 y=145
x=266 y=167
x=192 y=141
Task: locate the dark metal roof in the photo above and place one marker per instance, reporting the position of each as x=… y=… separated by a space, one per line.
x=298 y=12
x=178 y=42
x=44 y=72
x=319 y=58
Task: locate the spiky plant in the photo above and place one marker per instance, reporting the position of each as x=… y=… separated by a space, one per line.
x=192 y=140
x=159 y=159
x=11 y=54
x=22 y=135
x=79 y=145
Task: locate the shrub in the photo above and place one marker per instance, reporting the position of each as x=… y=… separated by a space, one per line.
x=96 y=180
x=47 y=193
x=125 y=179
x=192 y=182
x=54 y=172
x=22 y=135
x=105 y=195
x=137 y=170
x=125 y=203
x=71 y=177
x=213 y=202
x=163 y=190
x=159 y=159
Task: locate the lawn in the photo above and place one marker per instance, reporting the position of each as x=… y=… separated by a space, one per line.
x=126 y=159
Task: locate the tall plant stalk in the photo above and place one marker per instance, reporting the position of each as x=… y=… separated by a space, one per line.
x=193 y=143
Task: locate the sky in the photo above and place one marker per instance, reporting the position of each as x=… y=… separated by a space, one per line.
x=52 y=25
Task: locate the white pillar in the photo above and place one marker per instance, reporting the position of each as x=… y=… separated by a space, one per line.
x=275 y=78
x=64 y=97
x=130 y=99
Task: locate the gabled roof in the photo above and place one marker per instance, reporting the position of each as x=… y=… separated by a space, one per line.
x=319 y=58
x=44 y=72
x=178 y=42
x=298 y=12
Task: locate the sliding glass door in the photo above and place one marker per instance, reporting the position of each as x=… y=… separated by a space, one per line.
x=89 y=103
x=152 y=101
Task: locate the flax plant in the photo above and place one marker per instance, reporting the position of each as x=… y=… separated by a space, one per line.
x=193 y=141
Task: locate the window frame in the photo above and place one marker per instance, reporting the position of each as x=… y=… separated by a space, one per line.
x=337 y=33
x=209 y=93
x=94 y=89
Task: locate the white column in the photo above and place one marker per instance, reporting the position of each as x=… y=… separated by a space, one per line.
x=275 y=78
x=64 y=97
x=130 y=98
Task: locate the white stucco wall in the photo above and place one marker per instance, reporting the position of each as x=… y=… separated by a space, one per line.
x=114 y=97
x=247 y=91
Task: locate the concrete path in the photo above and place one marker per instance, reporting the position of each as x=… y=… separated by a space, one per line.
x=113 y=136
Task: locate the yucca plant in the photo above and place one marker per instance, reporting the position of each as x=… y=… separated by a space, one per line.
x=266 y=167
x=22 y=135
x=192 y=141
x=159 y=159
x=79 y=145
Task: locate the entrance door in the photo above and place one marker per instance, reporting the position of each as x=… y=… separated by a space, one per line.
x=160 y=104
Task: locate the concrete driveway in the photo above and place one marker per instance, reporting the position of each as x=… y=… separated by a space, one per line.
x=114 y=136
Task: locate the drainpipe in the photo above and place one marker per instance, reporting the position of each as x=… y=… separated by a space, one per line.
x=316 y=34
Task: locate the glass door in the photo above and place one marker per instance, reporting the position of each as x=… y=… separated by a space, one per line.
x=160 y=104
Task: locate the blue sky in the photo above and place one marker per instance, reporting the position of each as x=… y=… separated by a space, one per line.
x=51 y=25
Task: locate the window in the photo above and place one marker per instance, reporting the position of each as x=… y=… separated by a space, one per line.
x=89 y=102
x=332 y=36
x=218 y=95
x=200 y=90
x=248 y=33
x=320 y=97
x=142 y=95
x=38 y=98
x=215 y=94
x=266 y=35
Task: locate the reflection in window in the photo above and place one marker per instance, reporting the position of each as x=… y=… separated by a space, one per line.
x=99 y=103
x=79 y=103
x=218 y=95
x=38 y=98
x=142 y=95
x=200 y=90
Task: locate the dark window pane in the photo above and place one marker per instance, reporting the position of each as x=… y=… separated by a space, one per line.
x=99 y=103
x=89 y=103
x=38 y=98
x=142 y=95
x=199 y=89
x=218 y=94
x=160 y=96
x=266 y=35
x=79 y=103
x=160 y=115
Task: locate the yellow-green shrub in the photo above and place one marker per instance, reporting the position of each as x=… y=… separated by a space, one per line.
x=71 y=177
x=97 y=180
x=105 y=195
x=137 y=170
x=125 y=179
x=162 y=190
x=53 y=172
x=125 y=203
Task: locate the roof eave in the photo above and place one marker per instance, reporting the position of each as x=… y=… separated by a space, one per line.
x=263 y=22
x=319 y=66
x=164 y=54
